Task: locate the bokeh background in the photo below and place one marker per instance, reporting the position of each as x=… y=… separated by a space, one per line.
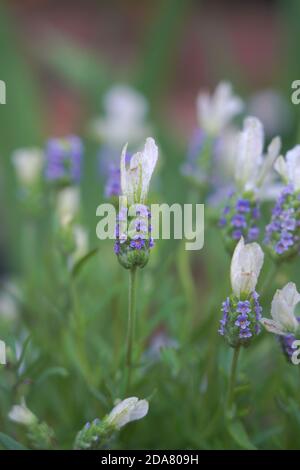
x=58 y=58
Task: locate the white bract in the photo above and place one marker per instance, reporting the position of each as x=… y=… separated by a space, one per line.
x=130 y=409
x=251 y=167
x=282 y=311
x=28 y=164
x=68 y=201
x=22 y=415
x=135 y=178
x=246 y=264
x=216 y=111
x=125 y=114
x=289 y=168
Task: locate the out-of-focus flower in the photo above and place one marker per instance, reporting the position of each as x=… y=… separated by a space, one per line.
x=68 y=201
x=283 y=306
x=216 y=111
x=241 y=311
x=272 y=109
x=63 y=160
x=125 y=117
x=246 y=264
x=283 y=232
x=130 y=409
x=81 y=242
x=22 y=415
x=8 y=304
x=28 y=164
x=252 y=177
x=135 y=178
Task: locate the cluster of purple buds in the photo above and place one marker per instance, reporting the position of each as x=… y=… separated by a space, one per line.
x=282 y=235
x=133 y=237
x=64 y=160
x=240 y=321
x=198 y=164
x=286 y=343
x=240 y=219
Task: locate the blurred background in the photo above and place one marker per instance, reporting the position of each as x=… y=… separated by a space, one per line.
x=58 y=59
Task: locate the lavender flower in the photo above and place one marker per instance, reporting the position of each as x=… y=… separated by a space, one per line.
x=239 y=218
x=286 y=342
x=241 y=311
x=133 y=237
x=63 y=160
x=240 y=320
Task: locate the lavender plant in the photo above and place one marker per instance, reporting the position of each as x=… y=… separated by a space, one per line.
x=133 y=236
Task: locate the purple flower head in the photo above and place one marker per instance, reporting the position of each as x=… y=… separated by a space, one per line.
x=239 y=220
x=253 y=233
x=243 y=205
x=245 y=333
x=137 y=243
x=242 y=321
x=64 y=159
x=243 y=307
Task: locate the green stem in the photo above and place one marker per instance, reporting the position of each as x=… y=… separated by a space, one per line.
x=232 y=378
x=131 y=323
x=269 y=279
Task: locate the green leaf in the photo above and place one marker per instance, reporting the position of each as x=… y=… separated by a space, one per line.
x=239 y=434
x=79 y=265
x=9 y=443
x=61 y=371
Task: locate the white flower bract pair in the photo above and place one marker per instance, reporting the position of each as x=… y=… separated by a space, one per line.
x=282 y=311
x=130 y=409
x=216 y=111
x=135 y=178
x=246 y=264
x=251 y=167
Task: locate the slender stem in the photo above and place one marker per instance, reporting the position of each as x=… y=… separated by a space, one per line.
x=232 y=378
x=131 y=323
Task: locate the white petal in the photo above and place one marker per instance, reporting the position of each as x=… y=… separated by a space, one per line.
x=272 y=326
x=283 y=306
x=246 y=264
x=249 y=151
x=269 y=160
x=293 y=166
x=149 y=160
x=130 y=409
